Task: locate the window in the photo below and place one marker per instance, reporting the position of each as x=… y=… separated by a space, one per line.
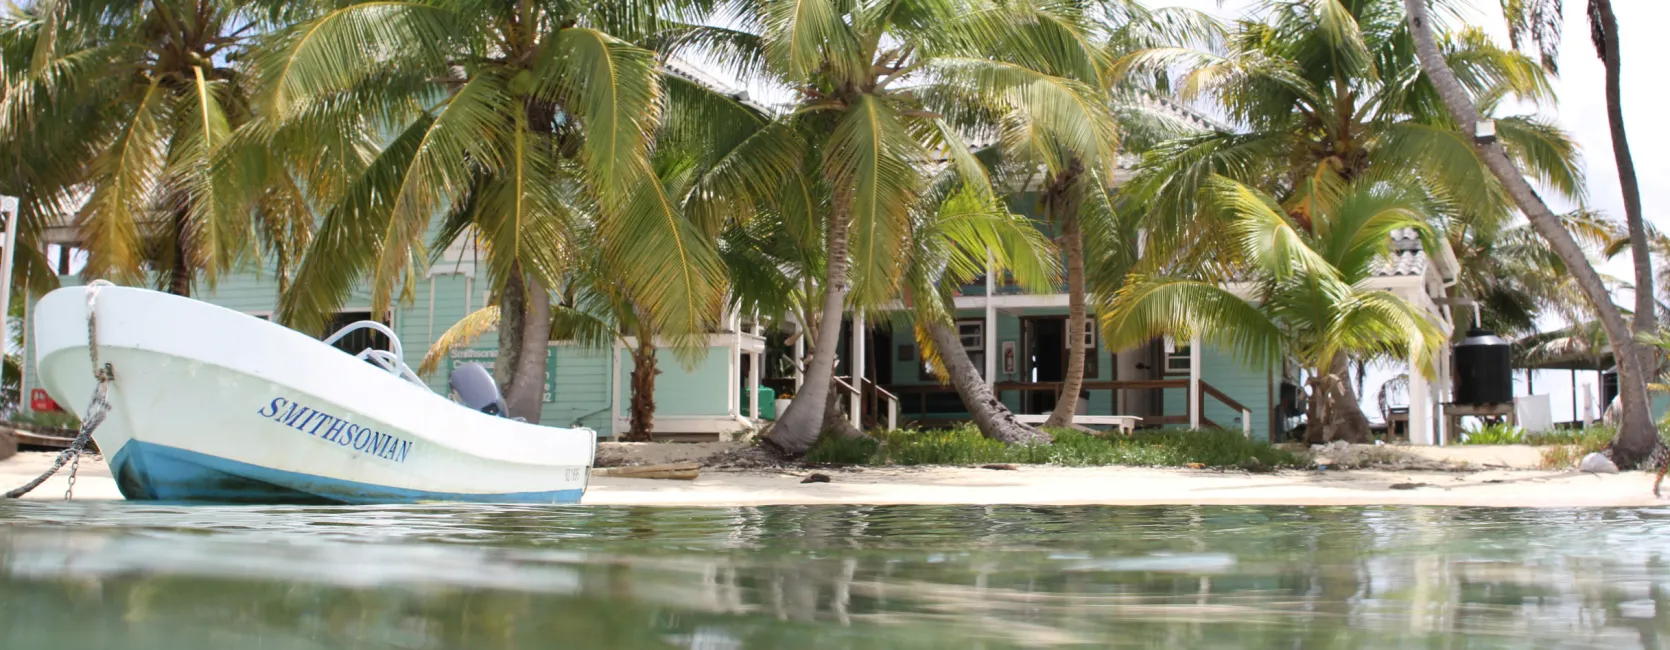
x=1092 y=370
x=1090 y=333
x=358 y=340
x=972 y=333
x=1177 y=358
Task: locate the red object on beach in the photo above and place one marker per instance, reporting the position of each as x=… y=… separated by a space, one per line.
x=40 y=401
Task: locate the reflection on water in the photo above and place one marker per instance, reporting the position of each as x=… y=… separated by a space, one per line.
x=89 y=575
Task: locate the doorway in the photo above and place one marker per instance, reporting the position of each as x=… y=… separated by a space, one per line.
x=1044 y=356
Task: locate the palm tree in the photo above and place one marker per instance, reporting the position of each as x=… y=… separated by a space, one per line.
x=1516 y=277
x=127 y=106
x=1310 y=302
x=950 y=245
x=1079 y=42
x=1637 y=437
x=1539 y=22
x=592 y=309
x=878 y=88
x=1331 y=88
x=521 y=122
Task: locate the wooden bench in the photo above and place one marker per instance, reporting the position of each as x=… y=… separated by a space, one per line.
x=1125 y=423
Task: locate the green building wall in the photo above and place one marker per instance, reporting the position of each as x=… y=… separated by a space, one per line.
x=1252 y=387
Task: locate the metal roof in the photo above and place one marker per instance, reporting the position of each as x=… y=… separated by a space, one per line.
x=1406 y=259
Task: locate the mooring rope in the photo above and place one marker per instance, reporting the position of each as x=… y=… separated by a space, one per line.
x=96 y=410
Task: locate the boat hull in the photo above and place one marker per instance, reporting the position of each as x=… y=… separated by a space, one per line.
x=213 y=405
x=151 y=472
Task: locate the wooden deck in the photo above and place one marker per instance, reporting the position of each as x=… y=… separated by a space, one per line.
x=914 y=399
x=28 y=437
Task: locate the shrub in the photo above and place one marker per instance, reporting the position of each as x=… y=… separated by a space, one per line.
x=1495 y=434
x=1210 y=447
x=843 y=450
x=47 y=419
x=963 y=445
x=1567 y=448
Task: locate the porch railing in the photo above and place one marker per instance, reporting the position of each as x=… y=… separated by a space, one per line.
x=921 y=395
x=871 y=399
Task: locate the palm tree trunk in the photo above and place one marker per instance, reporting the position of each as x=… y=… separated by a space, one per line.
x=835 y=421
x=1067 y=403
x=642 y=428
x=1334 y=412
x=1646 y=310
x=1637 y=437
x=179 y=273
x=526 y=396
x=799 y=426
x=512 y=316
x=990 y=415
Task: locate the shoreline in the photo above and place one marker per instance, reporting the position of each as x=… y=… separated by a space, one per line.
x=1501 y=480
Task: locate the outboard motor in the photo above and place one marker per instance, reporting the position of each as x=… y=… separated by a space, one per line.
x=476 y=389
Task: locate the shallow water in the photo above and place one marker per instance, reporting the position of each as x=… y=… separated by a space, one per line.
x=136 y=576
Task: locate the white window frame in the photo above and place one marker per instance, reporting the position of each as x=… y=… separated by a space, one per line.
x=972 y=328
x=1178 y=359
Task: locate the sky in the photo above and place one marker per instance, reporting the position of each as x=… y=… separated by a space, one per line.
x=1581 y=111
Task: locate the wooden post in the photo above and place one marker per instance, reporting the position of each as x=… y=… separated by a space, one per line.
x=756 y=363
x=799 y=356
x=1194 y=383
x=733 y=382
x=614 y=392
x=990 y=340
x=1420 y=407
x=9 y=205
x=1576 y=420
x=857 y=349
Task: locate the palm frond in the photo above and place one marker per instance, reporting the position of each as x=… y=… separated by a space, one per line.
x=872 y=158
x=1268 y=239
x=613 y=88
x=1150 y=307
x=119 y=206
x=376 y=232
x=340 y=48
x=462 y=333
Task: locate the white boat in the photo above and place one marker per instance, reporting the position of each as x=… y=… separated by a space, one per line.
x=209 y=404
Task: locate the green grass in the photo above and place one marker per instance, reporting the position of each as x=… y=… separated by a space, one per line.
x=963 y=445
x=1495 y=434
x=1567 y=447
x=844 y=451
x=48 y=419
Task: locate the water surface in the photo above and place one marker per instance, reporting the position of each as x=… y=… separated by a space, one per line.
x=137 y=576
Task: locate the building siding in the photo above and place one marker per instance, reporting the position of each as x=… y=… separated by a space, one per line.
x=699 y=390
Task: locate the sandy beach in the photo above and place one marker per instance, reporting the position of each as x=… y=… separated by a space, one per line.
x=1484 y=476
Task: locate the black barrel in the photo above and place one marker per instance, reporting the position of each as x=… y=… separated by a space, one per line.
x=1483 y=369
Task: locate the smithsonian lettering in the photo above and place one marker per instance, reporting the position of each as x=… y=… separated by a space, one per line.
x=330 y=428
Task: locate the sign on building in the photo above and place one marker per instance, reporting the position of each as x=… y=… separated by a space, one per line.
x=486 y=356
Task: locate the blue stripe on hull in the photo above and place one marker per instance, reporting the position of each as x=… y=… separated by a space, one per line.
x=151 y=472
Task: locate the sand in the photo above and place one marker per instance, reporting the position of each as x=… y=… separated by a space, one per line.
x=1497 y=476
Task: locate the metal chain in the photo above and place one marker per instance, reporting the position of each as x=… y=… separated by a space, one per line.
x=97 y=409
